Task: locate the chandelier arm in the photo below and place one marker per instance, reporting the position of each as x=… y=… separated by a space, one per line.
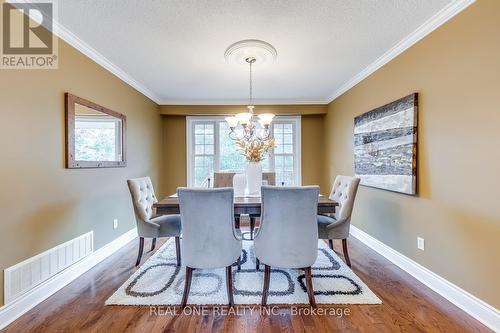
x=265 y=137
x=248 y=132
x=232 y=135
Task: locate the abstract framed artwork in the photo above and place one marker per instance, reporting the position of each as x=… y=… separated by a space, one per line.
x=385 y=146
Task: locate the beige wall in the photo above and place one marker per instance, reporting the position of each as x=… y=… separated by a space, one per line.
x=174 y=171
x=456 y=71
x=174 y=149
x=42 y=203
x=312 y=150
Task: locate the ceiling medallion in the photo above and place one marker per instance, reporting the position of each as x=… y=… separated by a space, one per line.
x=263 y=52
x=252 y=133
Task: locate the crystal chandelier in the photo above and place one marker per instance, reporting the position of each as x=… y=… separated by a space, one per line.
x=252 y=133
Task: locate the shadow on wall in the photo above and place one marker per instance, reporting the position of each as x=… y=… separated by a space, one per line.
x=46 y=226
x=481 y=233
x=41 y=224
x=34 y=233
x=423 y=171
x=370 y=207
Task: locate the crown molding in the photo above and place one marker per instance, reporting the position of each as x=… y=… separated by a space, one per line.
x=429 y=26
x=243 y=102
x=63 y=33
x=70 y=38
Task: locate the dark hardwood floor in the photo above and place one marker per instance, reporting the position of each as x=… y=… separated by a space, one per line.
x=408 y=306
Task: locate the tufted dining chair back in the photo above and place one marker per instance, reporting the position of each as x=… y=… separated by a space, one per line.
x=344 y=192
x=149 y=225
x=143 y=198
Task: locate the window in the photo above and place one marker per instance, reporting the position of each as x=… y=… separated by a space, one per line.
x=211 y=150
x=284 y=152
x=204 y=151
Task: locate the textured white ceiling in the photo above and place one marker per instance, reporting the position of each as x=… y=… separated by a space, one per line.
x=175 y=48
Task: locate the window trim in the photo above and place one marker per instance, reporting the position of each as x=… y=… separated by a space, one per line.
x=297 y=145
x=191 y=120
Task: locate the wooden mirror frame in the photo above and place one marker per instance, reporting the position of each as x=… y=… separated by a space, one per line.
x=71 y=163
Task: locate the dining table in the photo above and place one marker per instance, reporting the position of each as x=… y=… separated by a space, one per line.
x=250 y=205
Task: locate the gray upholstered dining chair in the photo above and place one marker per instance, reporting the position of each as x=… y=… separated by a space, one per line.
x=148 y=226
x=209 y=237
x=336 y=226
x=288 y=236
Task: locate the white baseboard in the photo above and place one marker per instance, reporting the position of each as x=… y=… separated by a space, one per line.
x=480 y=310
x=18 y=307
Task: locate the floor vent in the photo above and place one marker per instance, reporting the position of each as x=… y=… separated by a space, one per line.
x=28 y=274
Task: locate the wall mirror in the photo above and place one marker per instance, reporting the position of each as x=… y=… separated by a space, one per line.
x=95 y=135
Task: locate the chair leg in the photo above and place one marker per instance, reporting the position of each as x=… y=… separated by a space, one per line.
x=330 y=244
x=252 y=226
x=153 y=244
x=141 y=249
x=346 y=254
x=257 y=264
x=187 y=286
x=178 y=250
x=265 y=290
x=229 y=285
x=310 y=290
x=239 y=263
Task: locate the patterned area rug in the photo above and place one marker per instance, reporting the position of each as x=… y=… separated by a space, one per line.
x=160 y=282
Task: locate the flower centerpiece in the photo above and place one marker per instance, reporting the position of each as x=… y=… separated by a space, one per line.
x=254 y=143
x=254 y=151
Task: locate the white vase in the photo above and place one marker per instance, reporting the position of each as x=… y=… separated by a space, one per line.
x=254 y=178
x=239 y=184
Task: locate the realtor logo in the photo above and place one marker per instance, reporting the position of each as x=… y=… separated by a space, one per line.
x=27 y=38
